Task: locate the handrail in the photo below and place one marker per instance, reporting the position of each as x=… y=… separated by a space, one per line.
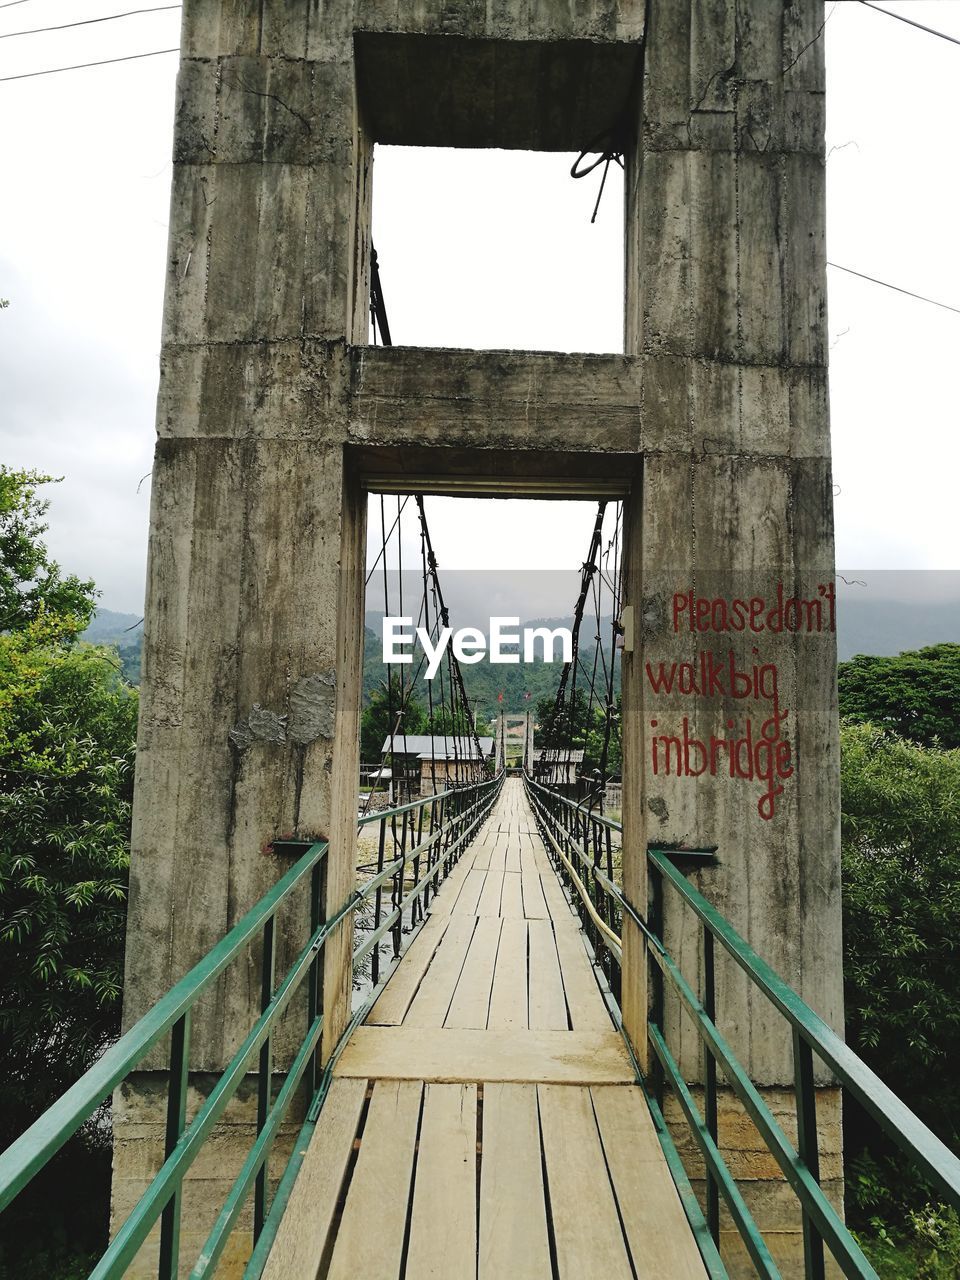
x=914 y=1137
x=25 y=1156
x=454 y=816
x=572 y=826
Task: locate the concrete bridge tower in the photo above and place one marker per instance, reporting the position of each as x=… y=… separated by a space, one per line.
x=275 y=419
x=518 y=731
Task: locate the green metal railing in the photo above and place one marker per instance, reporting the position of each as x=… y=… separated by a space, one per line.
x=585 y=844
x=421 y=840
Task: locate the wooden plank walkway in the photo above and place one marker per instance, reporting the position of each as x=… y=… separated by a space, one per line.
x=485 y=1122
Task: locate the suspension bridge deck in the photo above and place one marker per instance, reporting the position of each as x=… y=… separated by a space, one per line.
x=485 y=1122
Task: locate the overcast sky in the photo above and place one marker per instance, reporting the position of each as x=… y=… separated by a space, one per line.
x=506 y=258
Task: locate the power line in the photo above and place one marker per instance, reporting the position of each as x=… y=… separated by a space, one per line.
x=887 y=285
x=79 y=66
x=86 y=22
x=10 y=3
x=912 y=22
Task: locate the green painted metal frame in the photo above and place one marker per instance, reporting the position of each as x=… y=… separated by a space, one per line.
x=573 y=832
x=461 y=810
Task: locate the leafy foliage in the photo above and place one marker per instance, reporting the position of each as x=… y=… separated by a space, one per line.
x=901 y=868
x=577 y=725
x=30 y=582
x=67 y=729
x=381 y=713
x=925 y=1247
x=901 y=894
x=916 y=694
x=445 y=722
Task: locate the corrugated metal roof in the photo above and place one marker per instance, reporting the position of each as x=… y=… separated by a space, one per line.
x=438 y=747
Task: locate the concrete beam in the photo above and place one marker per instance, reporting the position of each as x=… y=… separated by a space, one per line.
x=534 y=95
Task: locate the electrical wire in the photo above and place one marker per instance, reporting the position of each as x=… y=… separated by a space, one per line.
x=373 y=567
x=79 y=66
x=945 y=306
x=911 y=22
x=86 y=22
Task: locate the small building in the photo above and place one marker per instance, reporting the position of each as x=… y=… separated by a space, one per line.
x=557 y=766
x=436 y=761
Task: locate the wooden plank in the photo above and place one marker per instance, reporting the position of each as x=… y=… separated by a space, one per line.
x=305 y=1228
x=471 y=999
x=443 y=1223
x=397 y=996
x=541 y=859
x=446 y=1055
x=585 y=1004
x=513 y=1220
x=481 y=858
x=508 y=999
x=589 y=1242
x=548 y=1007
x=430 y=1004
x=557 y=905
x=498 y=858
x=534 y=903
x=489 y=901
x=512 y=862
x=657 y=1229
x=450 y=888
x=511 y=900
x=469 y=895
x=380 y=1187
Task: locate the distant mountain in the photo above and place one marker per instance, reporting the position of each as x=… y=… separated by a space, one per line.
x=521 y=684
x=123 y=631
x=880 y=627
x=887 y=627
x=108 y=627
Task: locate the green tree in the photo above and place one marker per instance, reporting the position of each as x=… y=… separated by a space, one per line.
x=595 y=737
x=383 y=713
x=67 y=728
x=901 y=902
x=67 y=731
x=30 y=582
x=916 y=694
x=566 y=726
x=445 y=722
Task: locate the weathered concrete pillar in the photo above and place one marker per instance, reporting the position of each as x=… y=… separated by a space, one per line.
x=726 y=311
x=254 y=610
x=529 y=745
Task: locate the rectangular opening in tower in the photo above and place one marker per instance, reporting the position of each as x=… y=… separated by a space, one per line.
x=495 y=249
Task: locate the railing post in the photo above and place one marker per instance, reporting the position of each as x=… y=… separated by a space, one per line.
x=406 y=829
x=565 y=820
x=378 y=902
x=169 y=1264
x=436 y=850
x=318 y=913
x=710 y=1079
x=444 y=840
x=418 y=909
x=807 y=1147
x=265 y=1071
x=397 y=894
x=612 y=920
x=431 y=853
x=599 y=896
x=656 y=977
